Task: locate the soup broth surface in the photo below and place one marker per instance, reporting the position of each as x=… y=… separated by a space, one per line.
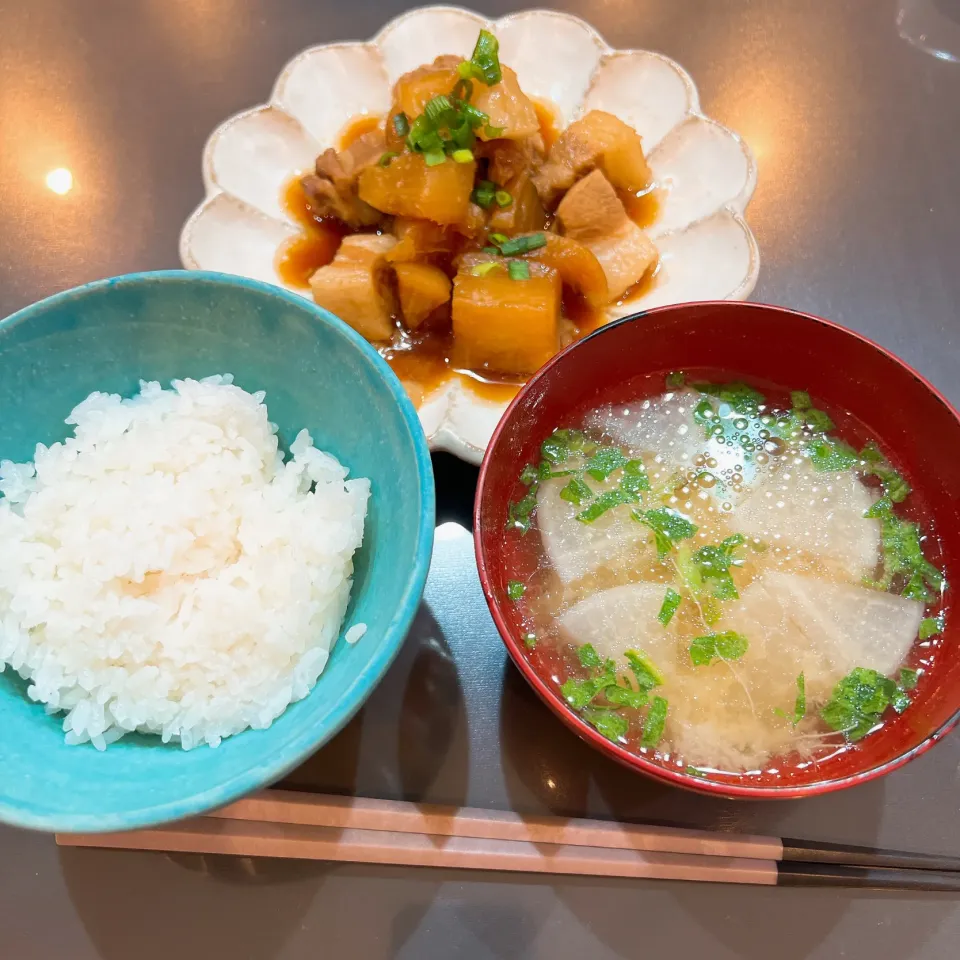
x=716 y=584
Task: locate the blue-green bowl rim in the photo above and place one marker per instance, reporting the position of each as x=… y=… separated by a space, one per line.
x=295 y=750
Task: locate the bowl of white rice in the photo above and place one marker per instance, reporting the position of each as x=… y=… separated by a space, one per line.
x=216 y=518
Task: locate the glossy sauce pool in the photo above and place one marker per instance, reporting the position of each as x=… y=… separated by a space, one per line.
x=426 y=359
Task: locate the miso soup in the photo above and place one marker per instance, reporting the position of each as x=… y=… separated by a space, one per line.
x=722 y=582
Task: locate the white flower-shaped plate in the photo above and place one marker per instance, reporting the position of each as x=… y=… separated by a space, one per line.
x=705 y=172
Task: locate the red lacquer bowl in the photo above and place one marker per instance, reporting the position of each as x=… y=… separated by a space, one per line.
x=865 y=388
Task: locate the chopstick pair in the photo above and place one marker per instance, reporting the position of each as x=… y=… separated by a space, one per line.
x=358 y=830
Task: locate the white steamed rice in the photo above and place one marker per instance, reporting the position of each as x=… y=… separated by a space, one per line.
x=166 y=571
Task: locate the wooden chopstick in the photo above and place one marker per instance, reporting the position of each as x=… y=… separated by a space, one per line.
x=277 y=806
x=309 y=826
x=297 y=841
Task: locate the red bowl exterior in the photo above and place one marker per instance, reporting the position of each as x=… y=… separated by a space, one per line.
x=770 y=344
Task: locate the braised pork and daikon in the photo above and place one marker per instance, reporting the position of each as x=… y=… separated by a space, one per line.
x=463 y=232
x=723 y=582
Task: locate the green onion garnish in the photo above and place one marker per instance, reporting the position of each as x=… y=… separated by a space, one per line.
x=654 y=724
x=503 y=198
x=462 y=89
x=515 y=589
x=462 y=156
x=437 y=108
x=484 y=193
x=510 y=248
x=491 y=250
x=482 y=269
x=434 y=157
x=492 y=132
x=385 y=158
x=728 y=645
x=401 y=124
x=475 y=117
x=498 y=238
x=485 y=63
x=519 y=270
x=669 y=606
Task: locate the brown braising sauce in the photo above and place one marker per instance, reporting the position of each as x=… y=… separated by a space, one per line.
x=356 y=128
x=301 y=256
x=427 y=358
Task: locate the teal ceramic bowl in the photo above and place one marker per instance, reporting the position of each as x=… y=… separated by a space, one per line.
x=318 y=374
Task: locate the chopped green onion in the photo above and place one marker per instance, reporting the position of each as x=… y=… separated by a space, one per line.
x=931 y=626
x=800 y=706
x=604 y=462
x=608 y=723
x=437 y=109
x=498 y=238
x=400 y=124
x=668 y=526
x=669 y=606
x=654 y=724
x=706 y=417
x=634 y=479
x=648 y=676
x=484 y=194
x=589 y=657
x=485 y=61
x=519 y=513
x=859 y=700
x=519 y=270
x=578 y=693
x=576 y=491
x=482 y=269
x=515 y=589
x=530 y=641
x=463 y=89
x=908 y=678
x=385 y=158
x=510 y=248
x=740 y=396
x=828 y=455
x=491 y=250
x=503 y=198
x=473 y=116
x=625 y=697
x=491 y=132
x=728 y=645
x=462 y=156
x=603 y=503
x=529 y=475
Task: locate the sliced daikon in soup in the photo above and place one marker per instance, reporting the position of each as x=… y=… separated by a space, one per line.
x=665 y=431
x=798 y=508
x=822 y=629
x=848 y=626
x=575 y=549
x=662 y=427
x=620 y=619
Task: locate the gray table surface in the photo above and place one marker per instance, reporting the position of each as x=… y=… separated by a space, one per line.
x=857 y=213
